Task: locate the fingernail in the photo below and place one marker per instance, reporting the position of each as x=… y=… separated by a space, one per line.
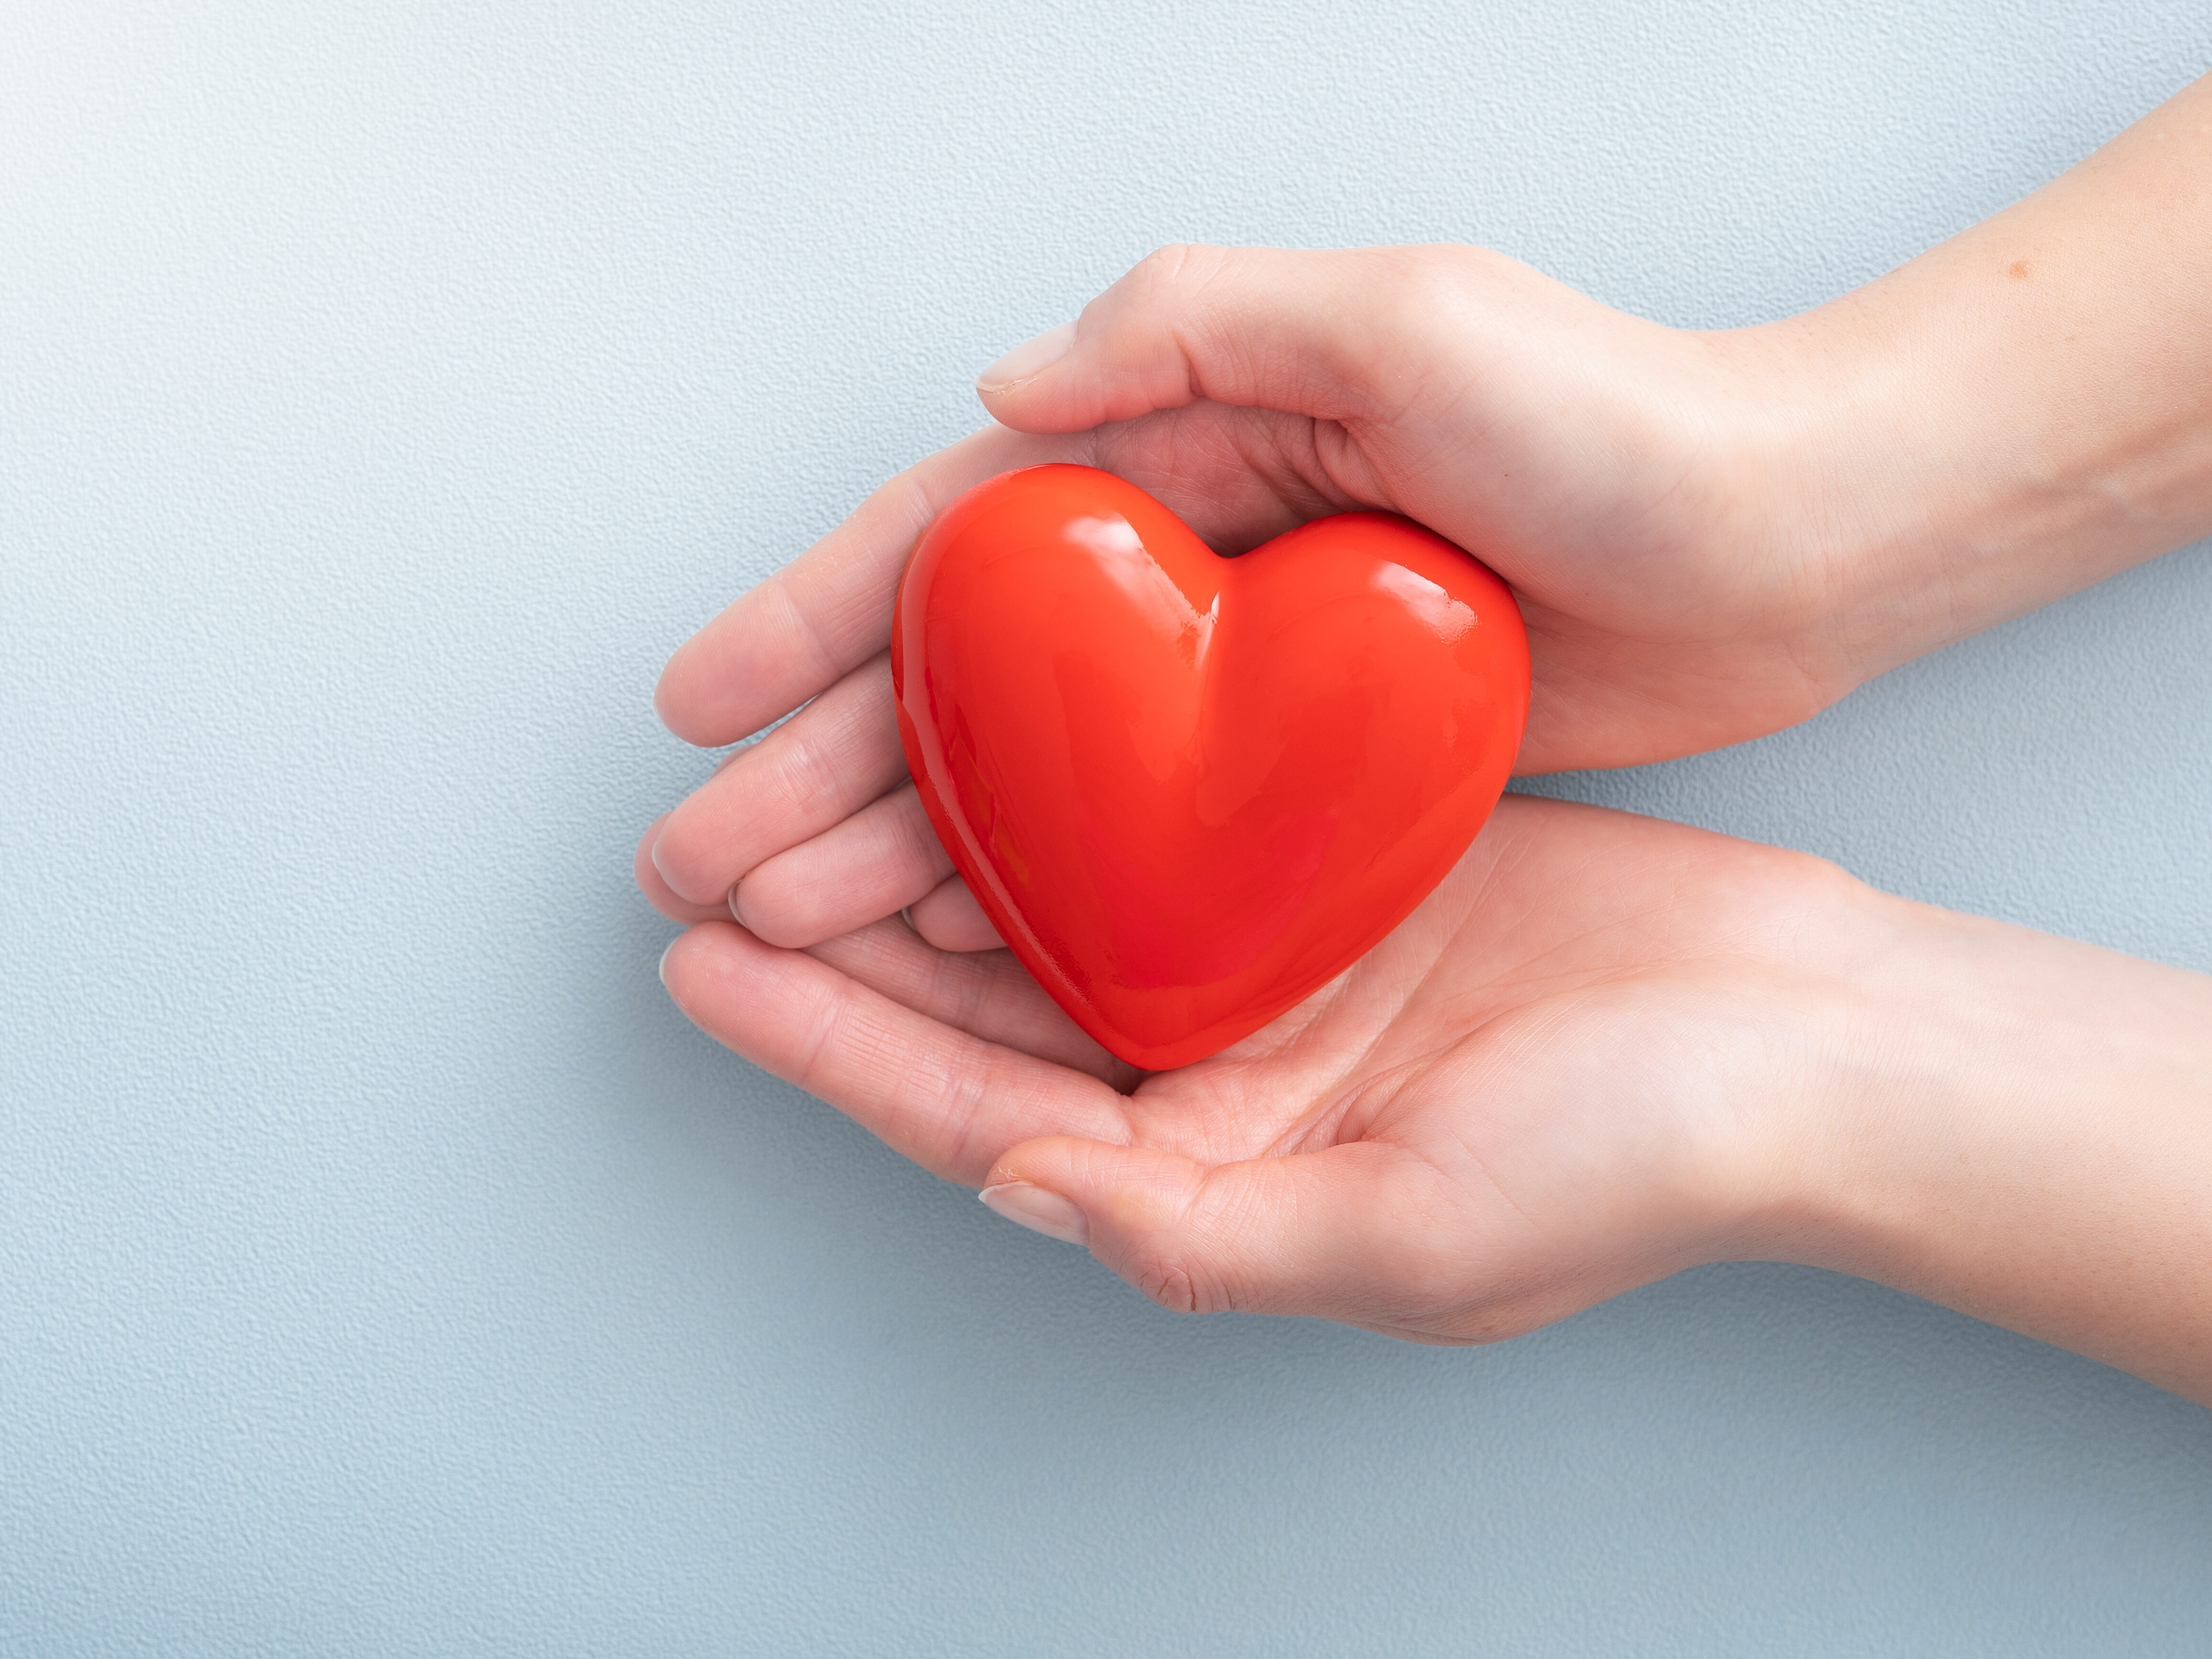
x=661 y=967
x=1028 y=360
x=1039 y=1210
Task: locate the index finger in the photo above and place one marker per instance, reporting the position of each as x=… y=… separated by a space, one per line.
x=829 y=610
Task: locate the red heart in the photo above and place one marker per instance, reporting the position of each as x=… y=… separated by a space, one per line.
x=1190 y=790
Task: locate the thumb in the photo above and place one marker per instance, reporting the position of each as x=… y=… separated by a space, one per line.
x=1337 y=336
x=1348 y=1233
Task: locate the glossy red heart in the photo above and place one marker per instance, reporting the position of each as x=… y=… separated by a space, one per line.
x=1189 y=791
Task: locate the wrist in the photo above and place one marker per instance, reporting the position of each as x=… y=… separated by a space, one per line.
x=1876 y=521
x=2018 y=1126
x=1969 y=437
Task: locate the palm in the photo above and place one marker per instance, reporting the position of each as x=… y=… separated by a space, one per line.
x=1510 y=1055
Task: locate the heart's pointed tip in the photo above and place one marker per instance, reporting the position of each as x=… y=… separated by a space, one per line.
x=1174 y=1051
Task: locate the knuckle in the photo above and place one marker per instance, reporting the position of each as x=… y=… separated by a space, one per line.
x=1165 y=263
x=800 y=771
x=1167 y=1281
x=1416 y=285
x=1406 y=334
x=914 y=842
x=964 y=1094
x=1482 y=1329
x=969 y=993
x=1167 y=272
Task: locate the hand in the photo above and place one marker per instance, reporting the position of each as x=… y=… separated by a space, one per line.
x=1607 y=467
x=1711 y=535
x=1579 y=1065
x=1606 y=1048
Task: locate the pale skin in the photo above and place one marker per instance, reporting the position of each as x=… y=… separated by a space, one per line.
x=1607 y=1047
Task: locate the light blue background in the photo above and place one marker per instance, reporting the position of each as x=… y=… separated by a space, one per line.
x=386 y=1267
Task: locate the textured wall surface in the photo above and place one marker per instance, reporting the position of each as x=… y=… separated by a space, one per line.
x=387 y=1268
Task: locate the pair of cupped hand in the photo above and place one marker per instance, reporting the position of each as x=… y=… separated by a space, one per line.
x=1605 y=1048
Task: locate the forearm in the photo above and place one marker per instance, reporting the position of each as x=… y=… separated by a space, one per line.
x=2023 y=1130
x=2017 y=413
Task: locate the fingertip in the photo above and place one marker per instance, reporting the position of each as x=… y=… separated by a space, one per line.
x=644 y=869
x=672 y=850
x=760 y=915
x=675 y=706
x=673 y=978
x=684 y=857
x=658 y=893
x=742 y=671
x=776 y=921
x=690 y=957
x=1040 y=1209
x=1129 y=1190
x=1026 y=361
